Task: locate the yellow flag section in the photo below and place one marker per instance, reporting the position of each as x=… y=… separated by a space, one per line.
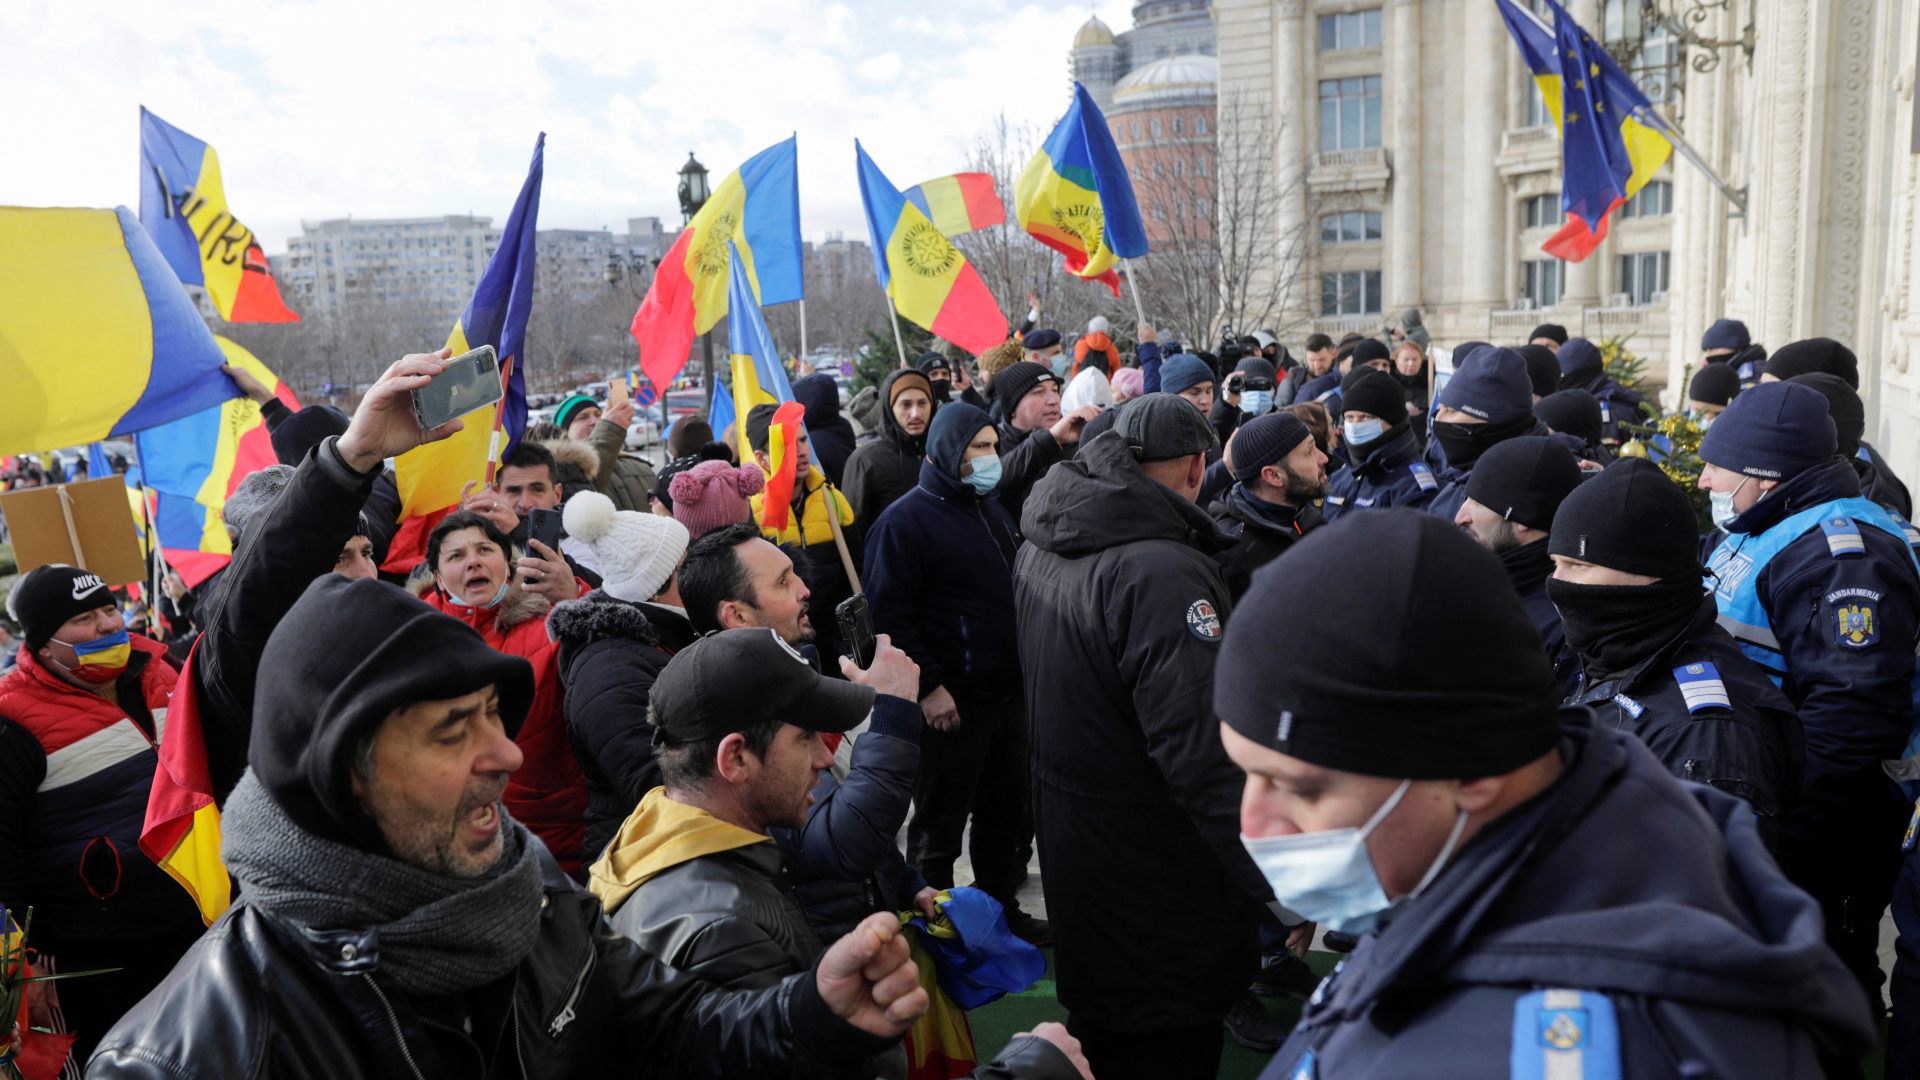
x=431 y=477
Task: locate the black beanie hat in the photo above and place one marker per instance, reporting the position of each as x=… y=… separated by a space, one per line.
x=759 y=425
x=1466 y=349
x=1015 y=382
x=1370 y=349
x=1551 y=331
x=1815 y=354
x=305 y=430
x=930 y=362
x=1775 y=431
x=1376 y=393
x=1433 y=671
x=1264 y=440
x=1571 y=412
x=1578 y=355
x=1844 y=407
x=951 y=432
x=1631 y=517
x=1524 y=479
x=1490 y=384
x=1543 y=368
x=345 y=656
x=1725 y=334
x=1258 y=367
x=48 y=595
x=1715 y=384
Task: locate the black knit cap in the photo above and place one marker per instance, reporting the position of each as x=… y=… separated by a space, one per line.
x=47 y=596
x=1430 y=671
x=1775 y=431
x=1631 y=517
x=1815 y=354
x=1579 y=355
x=930 y=362
x=1524 y=480
x=305 y=430
x=1015 y=382
x=1264 y=440
x=1572 y=412
x=1543 y=368
x=346 y=655
x=1844 y=407
x=1715 y=384
x=1257 y=367
x=1725 y=334
x=1552 y=331
x=1370 y=349
x=1376 y=393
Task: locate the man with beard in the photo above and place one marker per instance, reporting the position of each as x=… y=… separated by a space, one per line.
x=1319 y=361
x=1583 y=368
x=1511 y=498
x=1488 y=401
x=1386 y=467
x=1626 y=580
x=883 y=469
x=1280 y=472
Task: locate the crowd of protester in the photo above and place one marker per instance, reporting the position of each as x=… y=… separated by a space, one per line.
x=1564 y=765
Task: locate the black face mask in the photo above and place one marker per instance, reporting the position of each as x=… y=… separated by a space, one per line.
x=1464 y=443
x=1615 y=627
x=1579 y=380
x=942 y=391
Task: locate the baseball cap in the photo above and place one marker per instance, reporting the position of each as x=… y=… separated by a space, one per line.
x=730 y=680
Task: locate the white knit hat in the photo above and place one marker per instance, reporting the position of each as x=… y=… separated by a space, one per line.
x=638 y=552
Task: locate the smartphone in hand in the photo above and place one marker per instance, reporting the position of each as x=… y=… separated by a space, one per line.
x=544 y=526
x=471 y=382
x=856 y=629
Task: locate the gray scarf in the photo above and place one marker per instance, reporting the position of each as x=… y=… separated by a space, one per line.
x=437 y=934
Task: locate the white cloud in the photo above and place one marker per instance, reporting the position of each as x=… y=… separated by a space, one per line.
x=384 y=108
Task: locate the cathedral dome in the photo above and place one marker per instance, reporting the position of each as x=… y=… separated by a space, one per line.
x=1094 y=32
x=1173 y=80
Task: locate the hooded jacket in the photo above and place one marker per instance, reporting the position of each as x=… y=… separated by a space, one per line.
x=883 y=469
x=1118 y=588
x=611 y=650
x=1652 y=900
x=547 y=793
x=1106 y=356
x=828 y=432
x=1389 y=474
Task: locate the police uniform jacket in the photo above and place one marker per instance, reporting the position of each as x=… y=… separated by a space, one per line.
x=1392 y=475
x=1153 y=899
x=1851 y=686
x=1619 y=924
x=1528 y=567
x=1709 y=714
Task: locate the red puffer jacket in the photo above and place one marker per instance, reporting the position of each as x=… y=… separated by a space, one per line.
x=547 y=793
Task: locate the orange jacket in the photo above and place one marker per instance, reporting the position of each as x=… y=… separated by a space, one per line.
x=1095 y=343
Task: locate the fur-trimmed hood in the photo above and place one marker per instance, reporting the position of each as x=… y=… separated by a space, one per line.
x=599 y=615
x=572 y=454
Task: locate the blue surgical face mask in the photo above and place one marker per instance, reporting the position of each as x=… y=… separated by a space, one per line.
x=1059 y=364
x=1328 y=877
x=986 y=473
x=1360 y=432
x=495 y=602
x=1256 y=402
x=1723 y=511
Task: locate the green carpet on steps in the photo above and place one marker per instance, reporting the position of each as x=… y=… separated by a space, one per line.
x=994 y=1024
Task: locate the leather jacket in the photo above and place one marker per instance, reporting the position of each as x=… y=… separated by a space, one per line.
x=730 y=918
x=259 y=998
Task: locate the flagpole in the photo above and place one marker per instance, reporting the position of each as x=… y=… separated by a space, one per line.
x=898 y=345
x=1138 y=312
x=803 y=328
x=499 y=420
x=1736 y=197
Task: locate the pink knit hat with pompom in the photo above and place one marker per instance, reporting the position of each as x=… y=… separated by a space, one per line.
x=713 y=495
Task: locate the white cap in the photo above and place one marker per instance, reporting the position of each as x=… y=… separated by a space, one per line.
x=638 y=552
x=1097 y=324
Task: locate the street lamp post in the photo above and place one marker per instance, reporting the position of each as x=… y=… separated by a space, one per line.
x=693 y=195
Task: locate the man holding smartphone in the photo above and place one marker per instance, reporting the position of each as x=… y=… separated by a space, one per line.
x=525 y=484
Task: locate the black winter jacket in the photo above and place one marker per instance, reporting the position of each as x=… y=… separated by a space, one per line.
x=1261 y=532
x=1025 y=457
x=1650 y=901
x=1878 y=482
x=610 y=652
x=940 y=578
x=259 y=998
x=1117 y=587
x=286 y=546
x=883 y=469
x=1528 y=567
x=827 y=431
x=1730 y=727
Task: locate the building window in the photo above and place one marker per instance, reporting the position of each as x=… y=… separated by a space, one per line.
x=1350 y=113
x=1200 y=207
x=1350 y=292
x=1540 y=210
x=1179 y=125
x=1199 y=125
x=1541 y=281
x=1156 y=170
x=1136 y=129
x=1350 y=227
x=1537 y=114
x=1354 y=30
x=1644 y=275
x=1654 y=200
x=1200 y=166
x=1154 y=124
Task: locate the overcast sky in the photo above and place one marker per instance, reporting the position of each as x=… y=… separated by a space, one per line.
x=407 y=108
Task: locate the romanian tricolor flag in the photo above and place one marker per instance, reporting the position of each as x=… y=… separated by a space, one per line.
x=205 y=456
x=183 y=204
x=783 y=463
x=959 y=204
x=431 y=477
x=182 y=831
x=97 y=338
x=1077 y=198
x=193 y=538
x=1612 y=141
x=756 y=212
x=931 y=283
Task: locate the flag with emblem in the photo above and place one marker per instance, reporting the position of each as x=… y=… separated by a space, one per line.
x=1076 y=196
x=931 y=283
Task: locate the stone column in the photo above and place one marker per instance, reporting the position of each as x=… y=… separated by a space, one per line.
x=1403 y=79
x=1293 y=157
x=1484 y=210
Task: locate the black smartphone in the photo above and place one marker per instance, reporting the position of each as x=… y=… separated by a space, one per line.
x=856 y=629
x=544 y=526
x=471 y=382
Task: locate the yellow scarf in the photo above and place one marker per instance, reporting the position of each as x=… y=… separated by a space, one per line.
x=658 y=836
